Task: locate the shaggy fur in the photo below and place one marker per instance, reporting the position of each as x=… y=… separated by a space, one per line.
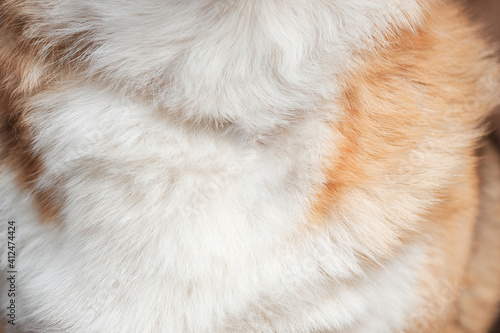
x=248 y=166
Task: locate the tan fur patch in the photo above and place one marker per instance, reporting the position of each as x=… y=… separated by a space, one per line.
x=23 y=73
x=401 y=94
x=413 y=114
x=17 y=155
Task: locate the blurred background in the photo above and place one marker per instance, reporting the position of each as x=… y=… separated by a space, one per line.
x=487 y=13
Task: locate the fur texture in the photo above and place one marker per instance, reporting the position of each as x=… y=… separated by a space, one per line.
x=253 y=166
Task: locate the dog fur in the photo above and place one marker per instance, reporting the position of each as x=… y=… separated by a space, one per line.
x=249 y=166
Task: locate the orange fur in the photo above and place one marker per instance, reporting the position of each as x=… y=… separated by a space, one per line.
x=412 y=117
x=415 y=107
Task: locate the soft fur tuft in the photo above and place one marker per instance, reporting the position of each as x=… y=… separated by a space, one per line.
x=253 y=166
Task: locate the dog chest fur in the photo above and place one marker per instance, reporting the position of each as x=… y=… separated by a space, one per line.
x=215 y=164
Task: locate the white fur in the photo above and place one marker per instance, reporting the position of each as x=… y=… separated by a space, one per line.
x=252 y=62
x=186 y=155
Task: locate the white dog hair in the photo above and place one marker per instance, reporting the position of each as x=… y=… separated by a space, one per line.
x=183 y=144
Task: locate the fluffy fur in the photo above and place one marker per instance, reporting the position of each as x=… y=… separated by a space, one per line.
x=253 y=166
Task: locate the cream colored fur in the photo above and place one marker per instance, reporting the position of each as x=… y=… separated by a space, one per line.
x=185 y=141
